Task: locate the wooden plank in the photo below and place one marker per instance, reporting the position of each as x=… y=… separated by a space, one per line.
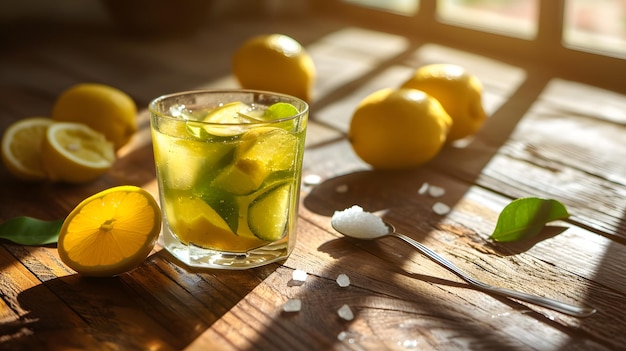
x=571 y=274
x=400 y=299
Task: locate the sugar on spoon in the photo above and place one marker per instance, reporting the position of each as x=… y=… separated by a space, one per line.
x=356 y=223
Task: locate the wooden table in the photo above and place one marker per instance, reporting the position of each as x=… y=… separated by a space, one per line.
x=545 y=137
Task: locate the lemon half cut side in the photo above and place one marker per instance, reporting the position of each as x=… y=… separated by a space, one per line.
x=75 y=153
x=21 y=146
x=111 y=232
x=103 y=108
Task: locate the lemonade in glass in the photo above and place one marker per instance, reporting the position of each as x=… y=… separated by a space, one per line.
x=229 y=165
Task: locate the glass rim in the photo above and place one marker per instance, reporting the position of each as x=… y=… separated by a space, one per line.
x=160 y=114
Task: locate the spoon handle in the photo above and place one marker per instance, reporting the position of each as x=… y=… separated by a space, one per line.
x=555 y=305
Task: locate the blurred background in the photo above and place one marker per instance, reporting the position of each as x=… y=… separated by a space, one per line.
x=598 y=25
x=581 y=39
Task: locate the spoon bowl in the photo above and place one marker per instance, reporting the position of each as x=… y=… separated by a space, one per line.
x=572 y=310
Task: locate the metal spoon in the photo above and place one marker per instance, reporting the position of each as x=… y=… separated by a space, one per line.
x=576 y=311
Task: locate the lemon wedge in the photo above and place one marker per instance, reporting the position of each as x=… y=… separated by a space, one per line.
x=196 y=223
x=75 y=153
x=21 y=146
x=111 y=232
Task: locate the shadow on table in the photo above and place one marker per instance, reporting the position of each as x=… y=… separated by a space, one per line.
x=377 y=266
x=160 y=305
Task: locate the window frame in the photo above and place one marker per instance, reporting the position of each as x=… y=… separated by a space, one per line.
x=545 y=51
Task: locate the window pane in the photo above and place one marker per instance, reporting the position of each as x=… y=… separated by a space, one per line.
x=403 y=7
x=596 y=25
x=516 y=18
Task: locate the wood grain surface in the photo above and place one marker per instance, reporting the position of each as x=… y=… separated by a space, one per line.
x=545 y=137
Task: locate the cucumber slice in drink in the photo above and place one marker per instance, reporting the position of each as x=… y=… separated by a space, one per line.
x=268 y=215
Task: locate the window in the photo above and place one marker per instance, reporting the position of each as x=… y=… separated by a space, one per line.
x=588 y=25
x=582 y=40
x=510 y=17
x=596 y=25
x=402 y=7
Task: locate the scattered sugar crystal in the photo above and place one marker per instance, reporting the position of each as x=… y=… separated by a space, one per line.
x=341 y=189
x=345 y=313
x=441 y=208
x=357 y=223
x=299 y=275
x=423 y=189
x=347 y=337
x=312 y=179
x=343 y=280
x=436 y=191
x=292 y=305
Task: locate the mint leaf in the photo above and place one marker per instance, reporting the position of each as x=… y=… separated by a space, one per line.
x=525 y=218
x=31 y=231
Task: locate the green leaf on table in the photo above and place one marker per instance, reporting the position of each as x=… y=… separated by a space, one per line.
x=525 y=218
x=31 y=231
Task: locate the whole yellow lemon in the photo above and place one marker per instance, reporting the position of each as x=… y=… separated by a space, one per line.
x=394 y=129
x=458 y=91
x=103 y=108
x=275 y=62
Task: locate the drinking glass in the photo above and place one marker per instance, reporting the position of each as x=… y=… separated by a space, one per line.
x=228 y=165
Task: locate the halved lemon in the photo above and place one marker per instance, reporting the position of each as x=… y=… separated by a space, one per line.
x=21 y=146
x=103 y=108
x=75 y=153
x=111 y=232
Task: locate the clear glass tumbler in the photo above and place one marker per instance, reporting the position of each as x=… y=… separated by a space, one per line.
x=229 y=166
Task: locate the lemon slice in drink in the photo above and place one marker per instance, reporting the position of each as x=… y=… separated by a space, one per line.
x=21 y=146
x=229 y=116
x=196 y=223
x=75 y=153
x=110 y=232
